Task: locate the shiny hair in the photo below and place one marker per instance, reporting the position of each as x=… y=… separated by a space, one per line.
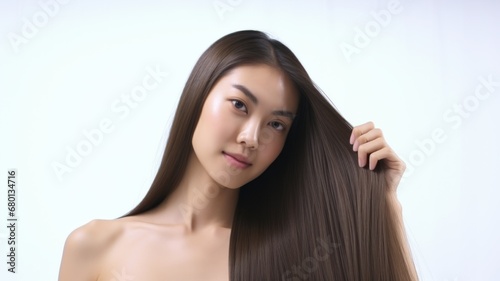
x=314 y=213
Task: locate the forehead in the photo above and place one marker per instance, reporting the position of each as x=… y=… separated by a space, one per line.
x=270 y=85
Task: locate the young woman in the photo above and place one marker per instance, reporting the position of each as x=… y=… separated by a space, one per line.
x=261 y=179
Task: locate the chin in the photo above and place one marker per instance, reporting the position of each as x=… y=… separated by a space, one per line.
x=230 y=179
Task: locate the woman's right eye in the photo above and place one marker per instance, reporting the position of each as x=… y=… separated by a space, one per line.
x=239 y=105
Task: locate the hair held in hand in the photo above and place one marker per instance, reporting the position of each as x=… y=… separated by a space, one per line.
x=314 y=214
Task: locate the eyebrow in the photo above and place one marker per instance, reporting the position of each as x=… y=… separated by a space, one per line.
x=254 y=99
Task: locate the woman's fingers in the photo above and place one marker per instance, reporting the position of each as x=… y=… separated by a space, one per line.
x=367 y=149
x=384 y=153
x=360 y=130
x=371 y=146
x=371 y=135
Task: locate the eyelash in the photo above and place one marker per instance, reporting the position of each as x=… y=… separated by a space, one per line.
x=243 y=104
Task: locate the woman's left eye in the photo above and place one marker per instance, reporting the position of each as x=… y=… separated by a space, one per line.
x=277 y=125
x=239 y=105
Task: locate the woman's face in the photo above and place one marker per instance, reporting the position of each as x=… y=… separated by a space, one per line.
x=244 y=123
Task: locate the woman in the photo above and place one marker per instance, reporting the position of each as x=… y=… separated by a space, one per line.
x=261 y=179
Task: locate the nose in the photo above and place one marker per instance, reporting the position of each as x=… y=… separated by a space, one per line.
x=249 y=135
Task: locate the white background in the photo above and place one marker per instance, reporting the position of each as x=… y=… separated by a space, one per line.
x=62 y=68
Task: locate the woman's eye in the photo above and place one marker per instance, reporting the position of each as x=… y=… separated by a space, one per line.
x=277 y=125
x=239 y=105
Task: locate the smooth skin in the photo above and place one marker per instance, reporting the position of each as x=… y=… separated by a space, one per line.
x=187 y=236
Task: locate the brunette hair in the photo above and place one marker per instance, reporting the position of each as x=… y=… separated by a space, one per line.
x=314 y=213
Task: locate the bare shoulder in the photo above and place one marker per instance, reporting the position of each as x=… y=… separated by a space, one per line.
x=84 y=248
x=92 y=236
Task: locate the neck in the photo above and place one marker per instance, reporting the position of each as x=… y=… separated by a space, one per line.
x=198 y=202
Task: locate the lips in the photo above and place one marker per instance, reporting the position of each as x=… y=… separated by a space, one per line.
x=237 y=160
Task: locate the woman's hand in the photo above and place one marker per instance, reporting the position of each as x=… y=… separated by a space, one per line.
x=371 y=146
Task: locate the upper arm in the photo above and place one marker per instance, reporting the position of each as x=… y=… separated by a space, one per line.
x=81 y=254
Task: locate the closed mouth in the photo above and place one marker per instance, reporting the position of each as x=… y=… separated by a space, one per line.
x=236 y=159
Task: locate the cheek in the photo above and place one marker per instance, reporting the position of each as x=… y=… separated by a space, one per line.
x=270 y=147
x=211 y=111
x=213 y=122
x=217 y=121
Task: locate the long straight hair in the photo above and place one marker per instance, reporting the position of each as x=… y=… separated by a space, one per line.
x=314 y=214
